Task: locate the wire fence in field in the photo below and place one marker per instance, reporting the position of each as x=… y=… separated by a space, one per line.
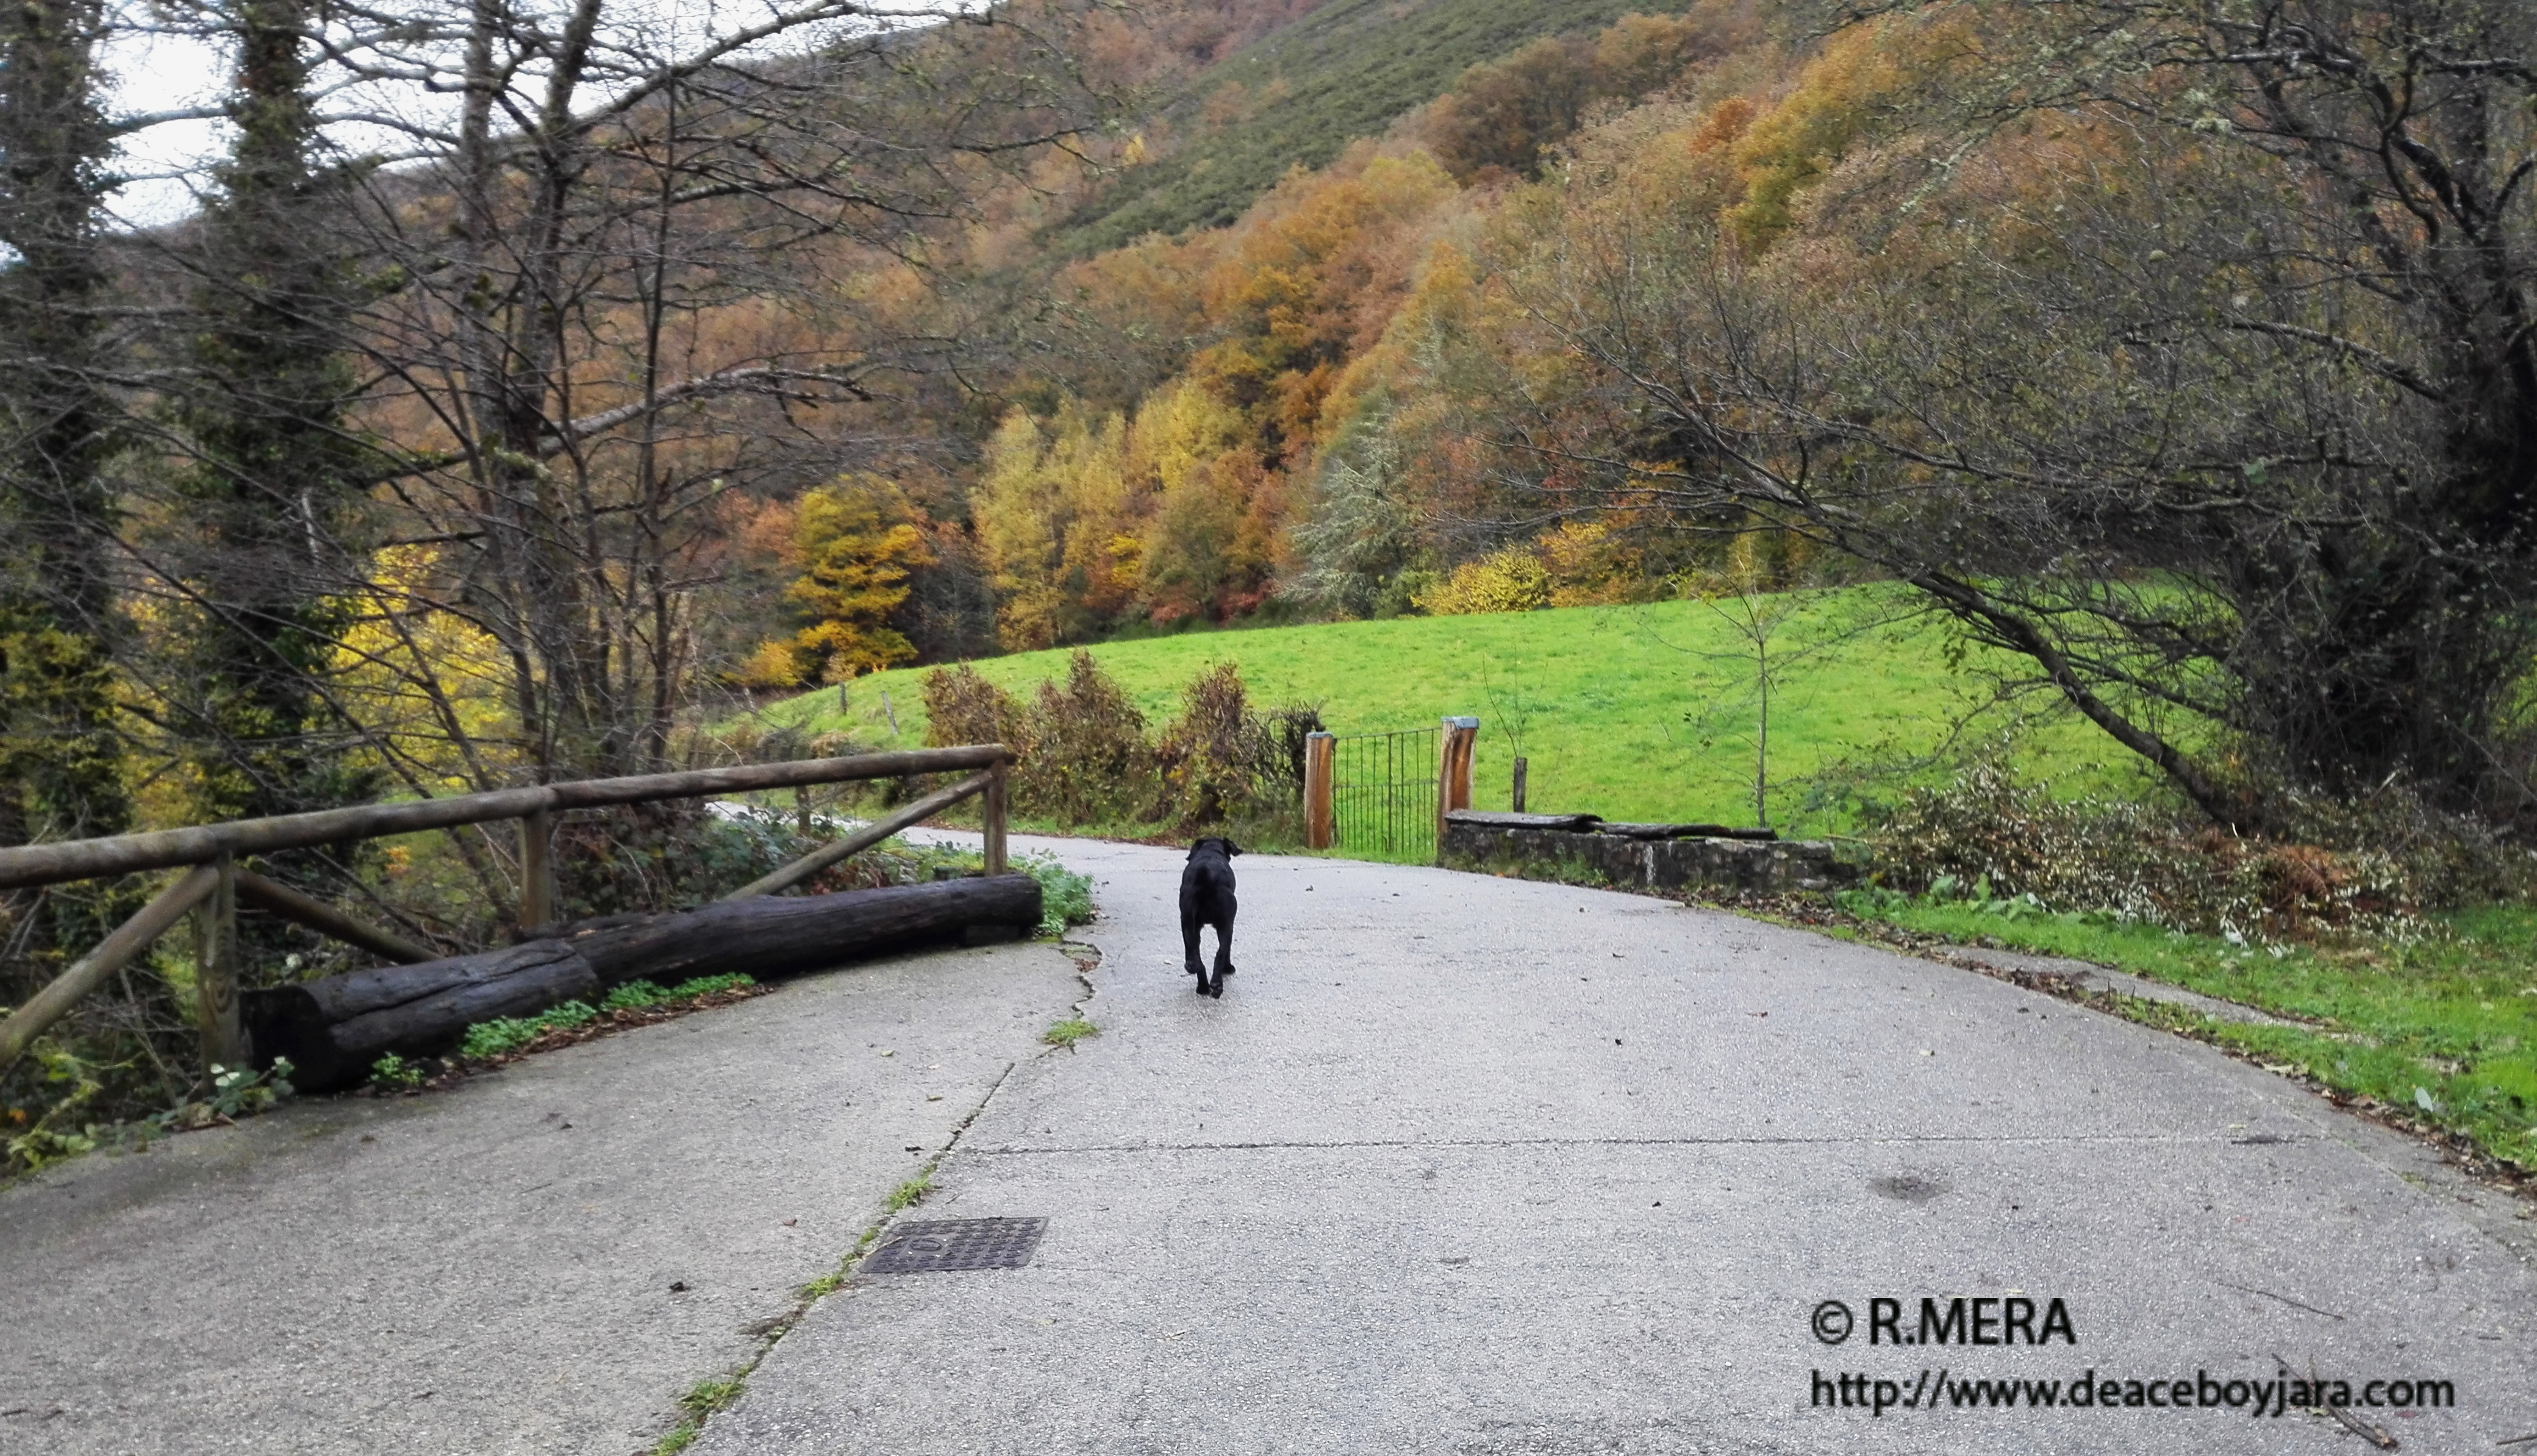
x=1383 y=794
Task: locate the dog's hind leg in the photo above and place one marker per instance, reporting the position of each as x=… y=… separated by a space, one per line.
x=1190 y=963
x=1223 y=954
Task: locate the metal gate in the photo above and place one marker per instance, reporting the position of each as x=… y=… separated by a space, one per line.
x=1383 y=794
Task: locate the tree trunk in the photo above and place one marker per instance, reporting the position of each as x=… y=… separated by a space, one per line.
x=335 y=1029
x=269 y=490
x=788 y=936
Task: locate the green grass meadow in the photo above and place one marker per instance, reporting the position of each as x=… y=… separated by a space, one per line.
x=2443 y=1030
x=1645 y=713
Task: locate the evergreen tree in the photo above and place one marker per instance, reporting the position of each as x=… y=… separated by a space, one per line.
x=60 y=740
x=275 y=470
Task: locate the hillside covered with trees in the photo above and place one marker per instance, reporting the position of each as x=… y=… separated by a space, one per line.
x=2181 y=357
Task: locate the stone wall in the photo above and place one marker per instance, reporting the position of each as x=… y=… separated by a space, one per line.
x=1661 y=859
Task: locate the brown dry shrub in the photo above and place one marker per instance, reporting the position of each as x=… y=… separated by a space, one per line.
x=1992 y=834
x=1088 y=761
x=1222 y=763
x=961 y=707
x=1087 y=758
x=1213 y=754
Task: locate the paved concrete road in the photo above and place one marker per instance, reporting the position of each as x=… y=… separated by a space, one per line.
x=490 y=1270
x=1461 y=1164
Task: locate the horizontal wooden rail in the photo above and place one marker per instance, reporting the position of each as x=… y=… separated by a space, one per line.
x=865 y=838
x=28 y=865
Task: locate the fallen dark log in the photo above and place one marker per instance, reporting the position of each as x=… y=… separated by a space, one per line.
x=787 y=936
x=335 y=1028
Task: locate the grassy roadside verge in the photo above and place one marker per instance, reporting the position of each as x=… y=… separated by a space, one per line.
x=2437 y=1036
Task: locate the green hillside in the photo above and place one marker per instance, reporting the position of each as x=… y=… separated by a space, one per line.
x=1634 y=711
x=1343 y=72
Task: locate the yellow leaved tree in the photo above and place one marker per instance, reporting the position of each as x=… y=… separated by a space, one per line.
x=430 y=687
x=859 y=540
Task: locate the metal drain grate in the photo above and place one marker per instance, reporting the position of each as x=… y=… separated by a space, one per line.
x=957 y=1243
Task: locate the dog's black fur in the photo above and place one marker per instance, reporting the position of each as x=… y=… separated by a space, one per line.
x=1206 y=899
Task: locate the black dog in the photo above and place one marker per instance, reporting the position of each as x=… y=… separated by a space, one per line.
x=1206 y=899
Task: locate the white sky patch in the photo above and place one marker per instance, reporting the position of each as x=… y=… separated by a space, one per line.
x=168 y=163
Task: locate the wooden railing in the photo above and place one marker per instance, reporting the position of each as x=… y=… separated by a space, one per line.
x=215 y=884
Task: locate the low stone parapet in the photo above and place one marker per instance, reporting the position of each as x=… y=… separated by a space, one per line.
x=1661 y=859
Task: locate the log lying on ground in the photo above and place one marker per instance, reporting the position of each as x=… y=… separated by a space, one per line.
x=335 y=1029
x=772 y=937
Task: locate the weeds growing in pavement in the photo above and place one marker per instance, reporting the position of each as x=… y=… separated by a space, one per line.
x=700 y=1400
x=1068 y=1032
x=708 y=1396
x=636 y=995
x=490 y=1039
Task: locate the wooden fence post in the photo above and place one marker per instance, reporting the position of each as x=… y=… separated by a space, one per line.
x=537 y=870
x=1320 y=824
x=1518 y=796
x=993 y=816
x=1454 y=771
x=216 y=971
